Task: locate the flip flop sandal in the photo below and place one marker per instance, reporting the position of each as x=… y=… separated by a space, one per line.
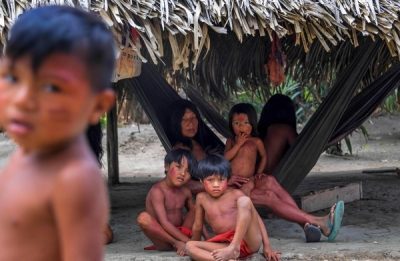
x=337 y=220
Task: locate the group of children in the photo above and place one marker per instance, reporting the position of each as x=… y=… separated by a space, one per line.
x=239 y=230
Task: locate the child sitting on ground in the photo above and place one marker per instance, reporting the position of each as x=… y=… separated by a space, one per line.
x=242 y=150
x=163 y=221
x=54 y=81
x=239 y=229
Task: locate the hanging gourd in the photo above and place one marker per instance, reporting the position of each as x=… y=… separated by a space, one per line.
x=276 y=62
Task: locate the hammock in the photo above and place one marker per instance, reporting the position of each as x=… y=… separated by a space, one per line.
x=329 y=123
x=365 y=103
x=155 y=95
x=304 y=153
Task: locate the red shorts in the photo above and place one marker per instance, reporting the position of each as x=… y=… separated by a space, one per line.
x=227 y=238
x=186 y=231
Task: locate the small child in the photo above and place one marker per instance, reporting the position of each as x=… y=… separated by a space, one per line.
x=54 y=81
x=242 y=150
x=163 y=221
x=239 y=229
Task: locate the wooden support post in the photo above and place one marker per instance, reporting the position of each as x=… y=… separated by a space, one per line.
x=326 y=198
x=112 y=147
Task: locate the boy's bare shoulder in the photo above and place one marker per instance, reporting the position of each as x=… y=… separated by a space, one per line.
x=82 y=177
x=234 y=192
x=201 y=196
x=156 y=189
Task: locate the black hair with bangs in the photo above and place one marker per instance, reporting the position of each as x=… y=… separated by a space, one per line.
x=213 y=164
x=43 y=31
x=177 y=155
x=244 y=108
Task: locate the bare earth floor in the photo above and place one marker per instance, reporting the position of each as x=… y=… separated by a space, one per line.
x=371 y=226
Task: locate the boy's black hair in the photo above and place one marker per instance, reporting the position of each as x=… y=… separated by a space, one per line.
x=176 y=155
x=46 y=30
x=278 y=109
x=244 y=108
x=213 y=164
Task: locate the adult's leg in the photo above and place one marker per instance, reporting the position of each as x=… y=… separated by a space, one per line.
x=247 y=228
x=289 y=212
x=154 y=231
x=201 y=250
x=269 y=183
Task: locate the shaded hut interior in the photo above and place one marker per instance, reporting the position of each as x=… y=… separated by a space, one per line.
x=212 y=49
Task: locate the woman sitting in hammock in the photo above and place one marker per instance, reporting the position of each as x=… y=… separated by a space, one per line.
x=277 y=128
x=187 y=130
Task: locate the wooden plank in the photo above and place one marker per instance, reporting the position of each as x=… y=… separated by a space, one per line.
x=382 y=170
x=112 y=147
x=326 y=198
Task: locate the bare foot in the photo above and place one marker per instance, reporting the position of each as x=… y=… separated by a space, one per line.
x=227 y=253
x=325 y=228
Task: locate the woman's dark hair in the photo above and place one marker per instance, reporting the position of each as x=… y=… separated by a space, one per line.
x=43 y=31
x=213 y=164
x=244 y=108
x=178 y=109
x=278 y=109
x=94 y=135
x=176 y=155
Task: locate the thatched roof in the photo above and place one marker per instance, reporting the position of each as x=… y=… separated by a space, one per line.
x=326 y=21
x=185 y=34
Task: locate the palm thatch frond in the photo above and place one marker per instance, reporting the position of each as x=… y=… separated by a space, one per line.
x=326 y=21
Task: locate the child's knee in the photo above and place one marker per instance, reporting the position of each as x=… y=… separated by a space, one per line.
x=144 y=219
x=244 y=202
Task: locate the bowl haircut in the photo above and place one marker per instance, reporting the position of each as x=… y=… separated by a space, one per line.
x=177 y=155
x=212 y=165
x=43 y=31
x=244 y=108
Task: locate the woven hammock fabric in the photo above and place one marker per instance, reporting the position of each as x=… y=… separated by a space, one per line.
x=318 y=130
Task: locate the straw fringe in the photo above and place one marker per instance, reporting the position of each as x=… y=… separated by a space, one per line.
x=325 y=21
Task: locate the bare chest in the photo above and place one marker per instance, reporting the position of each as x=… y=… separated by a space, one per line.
x=174 y=200
x=221 y=215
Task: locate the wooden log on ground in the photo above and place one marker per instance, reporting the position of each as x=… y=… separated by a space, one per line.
x=326 y=198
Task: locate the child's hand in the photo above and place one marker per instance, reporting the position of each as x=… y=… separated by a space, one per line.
x=271 y=255
x=241 y=138
x=180 y=248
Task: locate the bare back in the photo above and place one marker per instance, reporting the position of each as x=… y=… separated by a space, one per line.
x=52 y=207
x=220 y=213
x=277 y=141
x=171 y=200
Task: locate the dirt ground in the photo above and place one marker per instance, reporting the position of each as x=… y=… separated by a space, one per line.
x=371 y=226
